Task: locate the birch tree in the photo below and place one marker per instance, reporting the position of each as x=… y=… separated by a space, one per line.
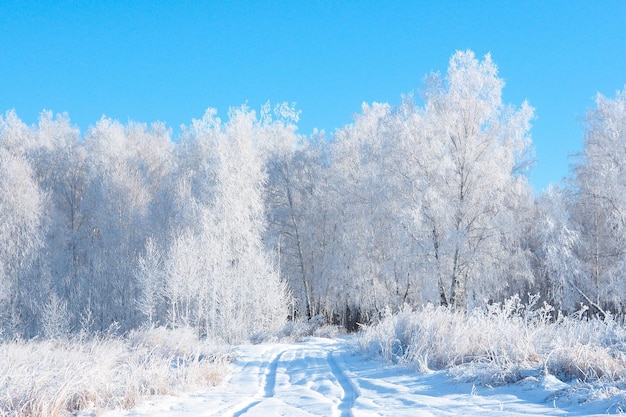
x=599 y=204
x=479 y=188
x=22 y=206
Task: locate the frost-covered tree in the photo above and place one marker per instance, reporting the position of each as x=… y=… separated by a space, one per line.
x=22 y=206
x=555 y=239
x=293 y=169
x=428 y=204
x=59 y=160
x=478 y=193
x=151 y=282
x=218 y=275
x=254 y=297
x=372 y=261
x=123 y=176
x=599 y=205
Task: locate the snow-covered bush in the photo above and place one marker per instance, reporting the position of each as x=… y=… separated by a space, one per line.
x=48 y=378
x=501 y=343
x=304 y=327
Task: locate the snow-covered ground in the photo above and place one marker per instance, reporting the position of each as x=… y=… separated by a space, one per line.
x=323 y=377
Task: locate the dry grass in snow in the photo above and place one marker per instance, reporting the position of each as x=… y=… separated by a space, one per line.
x=48 y=378
x=501 y=344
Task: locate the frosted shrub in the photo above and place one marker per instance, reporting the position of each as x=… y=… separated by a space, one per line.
x=586 y=350
x=587 y=362
x=501 y=343
x=303 y=327
x=57 y=377
x=56 y=320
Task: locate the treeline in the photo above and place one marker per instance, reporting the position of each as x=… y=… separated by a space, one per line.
x=123 y=226
x=237 y=225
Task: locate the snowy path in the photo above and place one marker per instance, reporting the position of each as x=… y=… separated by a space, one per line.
x=320 y=377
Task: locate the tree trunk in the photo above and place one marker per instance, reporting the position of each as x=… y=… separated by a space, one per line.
x=457 y=292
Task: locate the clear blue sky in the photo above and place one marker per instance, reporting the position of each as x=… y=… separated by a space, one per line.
x=169 y=61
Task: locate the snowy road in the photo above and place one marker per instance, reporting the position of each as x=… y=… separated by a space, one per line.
x=320 y=377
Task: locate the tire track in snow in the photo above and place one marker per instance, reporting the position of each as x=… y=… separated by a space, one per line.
x=270 y=378
x=350 y=391
x=246 y=408
x=319 y=377
x=269 y=385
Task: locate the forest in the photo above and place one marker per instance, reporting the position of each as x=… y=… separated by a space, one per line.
x=235 y=226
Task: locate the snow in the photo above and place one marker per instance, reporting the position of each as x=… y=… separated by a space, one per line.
x=324 y=377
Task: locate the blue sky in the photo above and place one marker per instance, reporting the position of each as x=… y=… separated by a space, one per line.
x=169 y=61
